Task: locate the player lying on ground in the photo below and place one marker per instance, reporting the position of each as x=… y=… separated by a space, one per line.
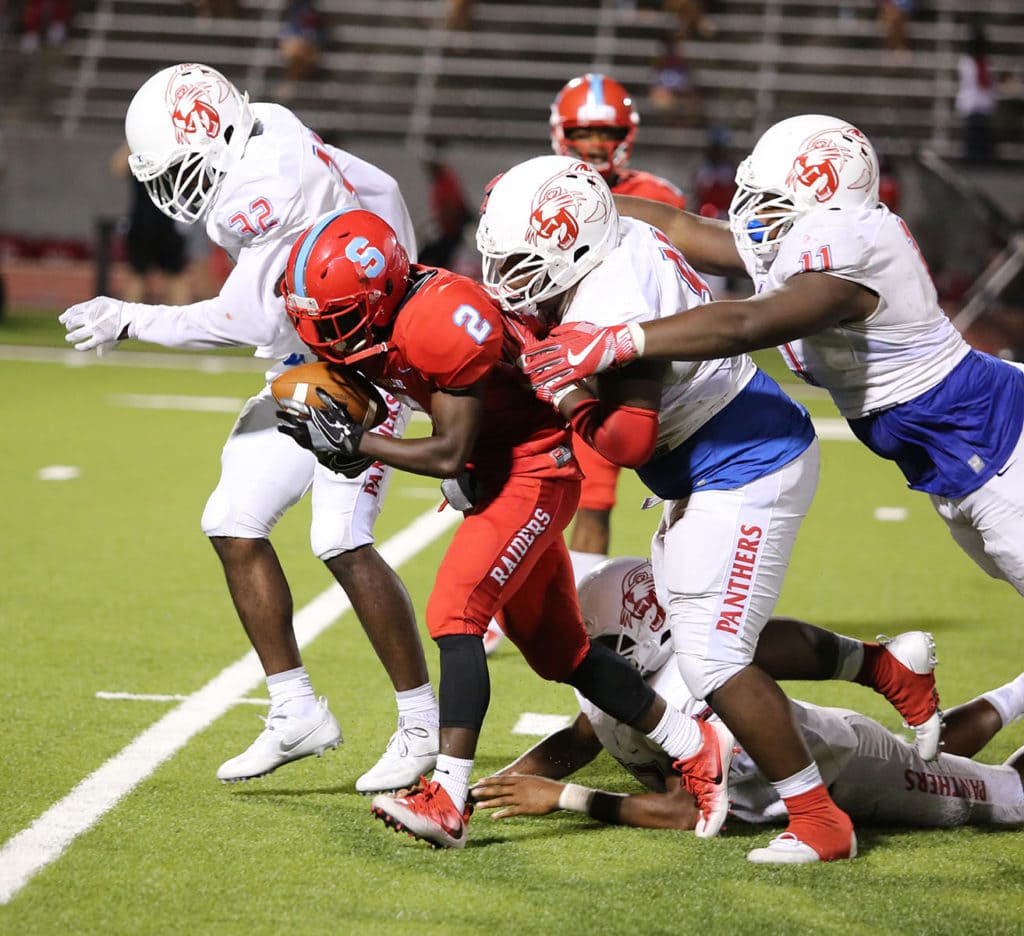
x=873 y=775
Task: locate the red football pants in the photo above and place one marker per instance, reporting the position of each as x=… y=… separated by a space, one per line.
x=511 y=556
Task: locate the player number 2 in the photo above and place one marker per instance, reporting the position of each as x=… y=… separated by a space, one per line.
x=466 y=317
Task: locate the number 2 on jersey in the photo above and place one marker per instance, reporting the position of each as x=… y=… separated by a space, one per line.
x=468 y=319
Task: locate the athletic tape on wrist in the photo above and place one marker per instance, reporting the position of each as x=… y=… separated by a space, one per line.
x=575 y=798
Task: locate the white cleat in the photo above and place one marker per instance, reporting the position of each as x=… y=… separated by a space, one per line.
x=410 y=754
x=284 y=739
x=918 y=700
x=788 y=849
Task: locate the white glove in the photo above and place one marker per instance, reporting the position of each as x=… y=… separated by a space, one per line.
x=98 y=323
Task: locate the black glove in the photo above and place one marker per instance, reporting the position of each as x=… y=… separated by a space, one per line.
x=329 y=430
x=460 y=491
x=339 y=464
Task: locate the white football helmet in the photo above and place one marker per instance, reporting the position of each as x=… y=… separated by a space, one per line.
x=620 y=609
x=186 y=127
x=798 y=165
x=546 y=224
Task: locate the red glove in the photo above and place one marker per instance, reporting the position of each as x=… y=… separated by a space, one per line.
x=575 y=351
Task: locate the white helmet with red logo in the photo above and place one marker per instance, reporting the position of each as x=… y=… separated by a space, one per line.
x=186 y=127
x=546 y=224
x=595 y=102
x=620 y=609
x=799 y=165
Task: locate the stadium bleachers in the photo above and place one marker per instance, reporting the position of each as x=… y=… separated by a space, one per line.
x=391 y=69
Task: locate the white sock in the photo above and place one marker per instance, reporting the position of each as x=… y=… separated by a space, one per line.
x=807 y=779
x=850 y=658
x=1008 y=700
x=291 y=691
x=677 y=734
x=453 y=774
x=418 y=705
x=583 y=562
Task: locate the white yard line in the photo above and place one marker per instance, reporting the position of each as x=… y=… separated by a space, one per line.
x=44 y=840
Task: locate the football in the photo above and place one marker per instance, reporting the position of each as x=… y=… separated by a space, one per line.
x=364 y=401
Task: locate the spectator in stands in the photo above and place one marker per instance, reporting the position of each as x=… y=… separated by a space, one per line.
x=694 y=22
x=673 y=91
x=155 y=244
x=448 y=209
x=3 y=172
x=460 y=14
x=976 y=98
x=893 y=16
x=300 y=42
x=713 y=187
x=54 y=15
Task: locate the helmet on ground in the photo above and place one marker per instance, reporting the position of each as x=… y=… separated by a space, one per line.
x=799 y=165
x=546 y=224
x=620 y=609
x=346 y=276
x=186 y=127
x=601 y=105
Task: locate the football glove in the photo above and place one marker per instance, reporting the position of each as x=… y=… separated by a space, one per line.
x=99 y=323
x=329 y=431
x=578 y=350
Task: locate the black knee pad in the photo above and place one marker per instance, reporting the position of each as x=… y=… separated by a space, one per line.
x=612 y=684
x=465 y=689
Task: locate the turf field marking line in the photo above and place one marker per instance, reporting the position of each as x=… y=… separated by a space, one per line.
x=164 y=697
x=42 y=843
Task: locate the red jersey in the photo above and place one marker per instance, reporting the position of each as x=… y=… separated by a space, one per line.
x=449 y=334
x=646 y=185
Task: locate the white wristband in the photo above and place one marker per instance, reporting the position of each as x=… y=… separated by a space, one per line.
x=575 y=798
x=638 y=336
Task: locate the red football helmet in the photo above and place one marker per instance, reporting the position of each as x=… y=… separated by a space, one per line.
x=346 y=276
x=601 y=105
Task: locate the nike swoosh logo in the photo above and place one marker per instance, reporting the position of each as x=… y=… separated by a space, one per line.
x=999 y=474
x=576 y=359
x=288 y=746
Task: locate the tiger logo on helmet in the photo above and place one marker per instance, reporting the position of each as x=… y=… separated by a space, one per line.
x=819 y=164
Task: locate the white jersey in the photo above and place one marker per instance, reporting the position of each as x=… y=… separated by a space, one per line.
x=286 y=179
x=644 y=278
x=872 y=774
x=904 y=348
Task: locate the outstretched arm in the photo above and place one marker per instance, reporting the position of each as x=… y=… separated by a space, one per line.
x=706 y=243
x=527 y=788
x=803 y=305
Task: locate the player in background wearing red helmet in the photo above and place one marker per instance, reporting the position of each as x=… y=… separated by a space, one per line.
x=593 y=117
x=438 y=341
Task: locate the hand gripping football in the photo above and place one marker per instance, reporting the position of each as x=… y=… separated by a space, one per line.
x=364 y=401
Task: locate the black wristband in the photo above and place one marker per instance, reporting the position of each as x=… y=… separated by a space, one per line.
x=605 y=807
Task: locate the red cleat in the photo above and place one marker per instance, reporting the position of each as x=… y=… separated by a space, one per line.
x=427 y=813
x=706 y=776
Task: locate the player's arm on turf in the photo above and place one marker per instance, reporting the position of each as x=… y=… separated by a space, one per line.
x=706 y=243
x=527 y=788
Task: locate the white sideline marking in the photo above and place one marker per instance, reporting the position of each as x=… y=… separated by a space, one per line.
x=536 y=723
x=58 y=473
x=45 y=839
x=831 y=429
x=891 y=514
x=166 y=697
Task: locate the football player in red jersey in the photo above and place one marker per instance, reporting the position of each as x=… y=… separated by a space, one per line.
x=438 y=341
x=593 y=117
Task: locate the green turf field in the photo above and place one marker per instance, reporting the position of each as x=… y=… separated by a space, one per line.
x=109 y=586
